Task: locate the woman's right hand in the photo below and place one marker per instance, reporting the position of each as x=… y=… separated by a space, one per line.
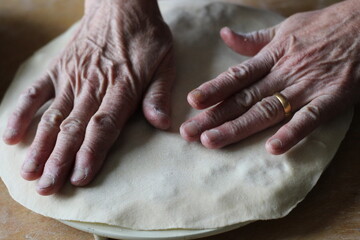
x=311 y=58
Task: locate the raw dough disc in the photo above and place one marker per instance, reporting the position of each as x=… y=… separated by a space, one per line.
x=154 y=179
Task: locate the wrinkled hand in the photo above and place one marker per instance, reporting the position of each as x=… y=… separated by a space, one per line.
x=121 y=54
x=311 y=58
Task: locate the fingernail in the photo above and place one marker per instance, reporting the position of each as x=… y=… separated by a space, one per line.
x=213 y=136
x=275 y=143
x=10 y=133
x=30 y=167
x=46 y=181
x=191 y=128
x=198 y=95
x=78 y=175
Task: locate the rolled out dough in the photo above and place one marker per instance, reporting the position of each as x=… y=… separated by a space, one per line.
x=156 y=180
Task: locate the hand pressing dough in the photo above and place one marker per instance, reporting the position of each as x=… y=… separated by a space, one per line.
x=156 y=180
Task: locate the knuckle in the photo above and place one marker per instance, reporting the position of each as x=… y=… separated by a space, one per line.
x=72 y=126
x=234 y=128
x=212 y=116
x=37 y=153
x=292 y=130
x=247 y=97
x=268 y=109
x=311 y=112
x=105 y=122
x=258 y=36
x=25 y=101
x=270 y=57
x=57 y=162
x=87 y=154
x=240 y=72
x=52 y=118
x=215 y=86
x=30 y=94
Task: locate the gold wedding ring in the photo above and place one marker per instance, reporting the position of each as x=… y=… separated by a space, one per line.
x=285 y=103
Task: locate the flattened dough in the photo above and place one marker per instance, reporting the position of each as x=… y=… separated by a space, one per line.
x=156 y=180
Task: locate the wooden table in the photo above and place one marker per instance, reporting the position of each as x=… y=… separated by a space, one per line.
x=331 y=211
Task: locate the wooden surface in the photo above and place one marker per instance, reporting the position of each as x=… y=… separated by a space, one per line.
x=331 y=211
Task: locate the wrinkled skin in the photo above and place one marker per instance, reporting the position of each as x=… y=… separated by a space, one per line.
x=311 y=58
x=121 y=55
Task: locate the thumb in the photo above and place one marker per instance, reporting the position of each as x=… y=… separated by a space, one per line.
x=248 y=44
x=157 y=99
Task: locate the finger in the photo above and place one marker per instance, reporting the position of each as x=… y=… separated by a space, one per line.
x=29 y=102
x=302 y=124
x=69 y=140
x=45 y=137
x=262 y=115
x=101 y=133
x=248 y=44
x=157 y=99
x=233 y=80
x=230 y=108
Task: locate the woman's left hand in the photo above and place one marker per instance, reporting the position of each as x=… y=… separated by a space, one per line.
x=121 y=56
x=312 y=59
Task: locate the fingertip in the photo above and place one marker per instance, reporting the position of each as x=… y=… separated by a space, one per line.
x=248 y=44
x=197 y=99
x=274 y=146
x=211 y=139
x=79 y=183
x=163 y=123
x=87 y=165
x=232 y=39
x=225 y=32
x=80 y=177
x=190 y=131
x=11 y=136
x=29 y=176
x=44 y=192
x=190 y=99
x=46 y=185
x=158 y=118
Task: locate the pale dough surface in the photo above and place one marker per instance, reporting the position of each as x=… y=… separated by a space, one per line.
x=156 y=180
